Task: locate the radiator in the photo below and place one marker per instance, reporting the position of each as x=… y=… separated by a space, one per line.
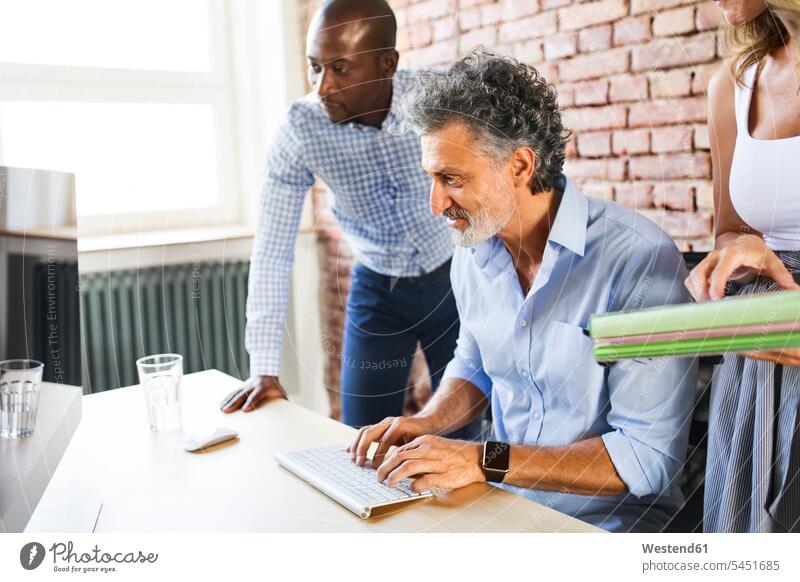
x=196 y=310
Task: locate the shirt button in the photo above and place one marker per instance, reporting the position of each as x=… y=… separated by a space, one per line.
x=523 y=323
x=537 y=415
x=525 y=373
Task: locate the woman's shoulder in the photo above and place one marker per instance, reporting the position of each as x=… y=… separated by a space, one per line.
x=722 y=97
x=722 y=84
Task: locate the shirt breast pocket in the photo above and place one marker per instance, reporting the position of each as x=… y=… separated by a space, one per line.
x=571 y=373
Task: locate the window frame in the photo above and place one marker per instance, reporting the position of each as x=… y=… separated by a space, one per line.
x=216 y=87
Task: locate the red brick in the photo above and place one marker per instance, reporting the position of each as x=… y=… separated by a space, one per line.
x=513 y=9
x=704 y=195
x=420 y=35
x=558 y=46
x=549 y=70
x=594 y=144
x=442 y=53
x=611 y=169
x=403 y=39
x=630 y=141
x=491 y=14
x=474 y=38
x=469 y=19
x=400 y=15
x=529 y=52
x=572 y=146
x=702 y=76
x=632 y=30
x=682 y=225
x=672 y=138
x=534 y=26
x=598 y=190
x=566 y=95
x=588 y=118
x=667 y=112
x=709 y=16
x=668 y=166
x=595 y=65
x=430 y=9
x=579 y=16
x=701 y=141
x=640 y=6
x=634 y=194
x=471 y=3
x=444 y=28
x=675 y=195
x=596 y=38
x=628 y=88
x=591 y=92
x=673 y=52
x=675 y=83
x=674 y=22
x=548 y=4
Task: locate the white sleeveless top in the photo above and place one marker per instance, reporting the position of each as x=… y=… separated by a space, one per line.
x=765 y=178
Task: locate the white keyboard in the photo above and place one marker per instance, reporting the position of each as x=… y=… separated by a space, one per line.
x=330 y=470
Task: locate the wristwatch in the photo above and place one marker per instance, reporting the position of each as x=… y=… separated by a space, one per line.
x=496 y=457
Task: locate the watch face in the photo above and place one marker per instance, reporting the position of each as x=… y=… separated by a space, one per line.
x=496 y=455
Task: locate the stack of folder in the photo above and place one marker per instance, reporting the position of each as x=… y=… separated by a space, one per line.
x=765 y=321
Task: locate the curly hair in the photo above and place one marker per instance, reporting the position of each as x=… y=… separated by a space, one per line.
x=505 y=105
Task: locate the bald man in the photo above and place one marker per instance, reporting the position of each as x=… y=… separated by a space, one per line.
x=400 y=289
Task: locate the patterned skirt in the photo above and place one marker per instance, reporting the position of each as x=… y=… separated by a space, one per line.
x=753 y=467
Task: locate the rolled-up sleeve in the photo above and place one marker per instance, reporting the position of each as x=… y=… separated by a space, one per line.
x=466 y=363
x=286 y=181
x=650 y=399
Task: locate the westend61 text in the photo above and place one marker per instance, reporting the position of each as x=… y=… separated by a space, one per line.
x=96 y=555
x=675 y=549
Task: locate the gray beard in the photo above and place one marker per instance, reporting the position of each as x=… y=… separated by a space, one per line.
x=482 y=225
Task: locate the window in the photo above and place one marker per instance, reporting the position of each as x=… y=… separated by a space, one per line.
x=133 y=96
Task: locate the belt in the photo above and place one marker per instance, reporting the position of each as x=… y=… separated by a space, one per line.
x=439 y=271
x=442 y=269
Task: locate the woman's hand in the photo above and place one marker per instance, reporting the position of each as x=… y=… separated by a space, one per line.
x=746 y=254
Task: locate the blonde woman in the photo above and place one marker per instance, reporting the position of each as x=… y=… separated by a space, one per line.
x=753 y=469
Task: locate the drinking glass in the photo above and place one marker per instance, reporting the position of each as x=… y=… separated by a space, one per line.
x=19 y=397
x=160 y=377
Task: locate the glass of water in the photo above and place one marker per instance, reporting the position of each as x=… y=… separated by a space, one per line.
x=19 y=397
x=160 y=377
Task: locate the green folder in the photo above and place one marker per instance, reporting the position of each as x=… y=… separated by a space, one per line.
x=741 y=310
x=704 y=346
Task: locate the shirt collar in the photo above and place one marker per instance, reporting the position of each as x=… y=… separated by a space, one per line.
x=569 y=227
x=568 y=231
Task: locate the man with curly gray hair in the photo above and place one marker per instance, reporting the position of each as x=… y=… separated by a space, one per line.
x=604 y=444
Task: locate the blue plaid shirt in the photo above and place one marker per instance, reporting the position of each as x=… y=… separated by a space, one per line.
x=378 y=193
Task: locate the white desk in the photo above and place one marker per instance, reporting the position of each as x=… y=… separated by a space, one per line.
x=26 y=465
x=148 y=483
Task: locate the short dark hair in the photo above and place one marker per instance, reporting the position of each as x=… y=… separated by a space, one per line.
x=505 y=104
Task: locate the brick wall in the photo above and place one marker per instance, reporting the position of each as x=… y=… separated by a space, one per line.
x=631 y=77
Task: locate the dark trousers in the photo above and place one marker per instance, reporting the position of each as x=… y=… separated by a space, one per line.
x=386 y=317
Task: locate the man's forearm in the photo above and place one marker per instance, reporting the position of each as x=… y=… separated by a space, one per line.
x=454 y=404
x=582 y=468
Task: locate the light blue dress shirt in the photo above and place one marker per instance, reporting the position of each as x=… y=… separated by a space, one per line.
x=530 y=355
x=378 y=192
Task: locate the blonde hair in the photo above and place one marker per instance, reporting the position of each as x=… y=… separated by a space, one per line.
x=752 y=41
